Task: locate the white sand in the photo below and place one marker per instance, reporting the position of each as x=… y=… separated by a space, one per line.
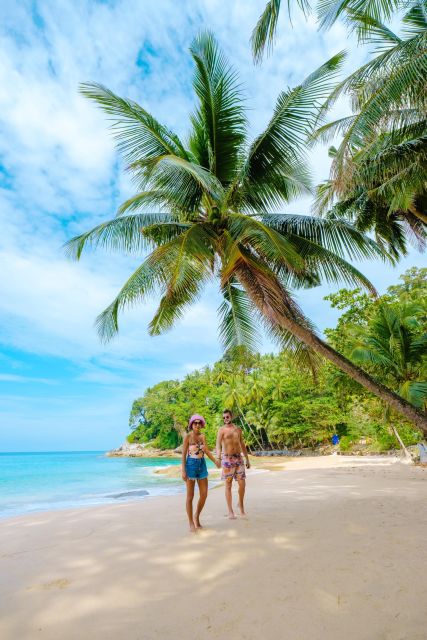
x=334 y=548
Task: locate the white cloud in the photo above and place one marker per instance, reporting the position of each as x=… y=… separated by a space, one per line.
x=10 y=377
x=62 y=176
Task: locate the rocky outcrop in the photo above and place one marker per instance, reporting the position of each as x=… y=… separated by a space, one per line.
x=140 y=450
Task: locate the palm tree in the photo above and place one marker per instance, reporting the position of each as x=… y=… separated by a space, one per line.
x=264 y=34
x=328 y=12
x=214 y=197
x=395 y=348
x=379 y=171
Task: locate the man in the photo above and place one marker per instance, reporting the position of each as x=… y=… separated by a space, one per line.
x=229 y=447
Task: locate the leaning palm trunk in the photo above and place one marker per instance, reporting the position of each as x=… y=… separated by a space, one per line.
x=356 y=373
x=265 y=294
x=212 y=198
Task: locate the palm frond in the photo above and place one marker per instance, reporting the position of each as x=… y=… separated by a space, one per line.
x=337 y=236
x=415 y=19
x=393 y=78
x=192 y=260
x=415 y=392
x=138 y=133
x=322 y=265
x=120 y=234
x=328 y=11
x=260 y=282
x=324 y=197
x=219 y=124
x=371 y=30
x=154 y=197
x=264 y=33
x=185 y=182
x=280 y=150
x=330 y=130
x=271 y=302
x=164 y=232
x=148 y=278
x=236 y=314
x=265 y=239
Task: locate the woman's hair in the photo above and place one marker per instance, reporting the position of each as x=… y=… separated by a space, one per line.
x=194 y=417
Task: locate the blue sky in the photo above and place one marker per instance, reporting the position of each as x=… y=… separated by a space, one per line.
x=60 y=389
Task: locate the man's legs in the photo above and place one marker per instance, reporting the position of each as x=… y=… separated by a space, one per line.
x=203 y=494
x=229 y=498
x=242 y=487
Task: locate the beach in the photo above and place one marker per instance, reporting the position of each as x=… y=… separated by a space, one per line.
x=333 y=547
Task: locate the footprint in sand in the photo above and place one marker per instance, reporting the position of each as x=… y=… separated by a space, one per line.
x=62 y=583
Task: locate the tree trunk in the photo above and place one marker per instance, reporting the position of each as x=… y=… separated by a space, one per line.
x=270 y=298
x=406 y=453
x=247 y=424
x=421 y=216
x=411 y=413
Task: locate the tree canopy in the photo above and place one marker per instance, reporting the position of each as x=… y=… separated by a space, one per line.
x=278 y=405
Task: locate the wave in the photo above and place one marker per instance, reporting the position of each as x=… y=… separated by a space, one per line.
x=134 y=493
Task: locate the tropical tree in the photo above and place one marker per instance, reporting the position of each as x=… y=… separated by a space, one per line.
x=396 y=345
x=328 y=12
x=379 y=170
x=214 y=195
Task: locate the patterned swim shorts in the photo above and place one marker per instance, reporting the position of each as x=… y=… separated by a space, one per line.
x=232 y=466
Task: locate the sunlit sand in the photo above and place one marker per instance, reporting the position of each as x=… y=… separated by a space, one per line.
x=333 y=548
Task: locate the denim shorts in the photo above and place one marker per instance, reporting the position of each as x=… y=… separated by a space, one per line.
x=196 y=468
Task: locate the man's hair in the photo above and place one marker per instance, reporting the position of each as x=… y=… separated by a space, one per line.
x=228 y=411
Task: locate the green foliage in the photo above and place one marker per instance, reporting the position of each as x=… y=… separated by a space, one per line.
x=387 y=335
x=378 y=176
x=214 y=195
x=279 y=405
x=276 y=404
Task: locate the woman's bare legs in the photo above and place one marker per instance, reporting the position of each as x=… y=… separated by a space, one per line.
x=203 y=494
x=189 y=504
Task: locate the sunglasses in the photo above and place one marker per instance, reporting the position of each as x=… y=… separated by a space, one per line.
x=197 y=422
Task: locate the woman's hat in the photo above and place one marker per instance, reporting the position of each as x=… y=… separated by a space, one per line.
x=196 y=416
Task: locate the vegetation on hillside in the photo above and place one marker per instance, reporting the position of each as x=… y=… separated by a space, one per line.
x=278 y=405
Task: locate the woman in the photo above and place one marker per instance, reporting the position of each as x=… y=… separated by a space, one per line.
x=194 y=467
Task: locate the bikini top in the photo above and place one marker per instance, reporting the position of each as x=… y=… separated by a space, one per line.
x=194 y=450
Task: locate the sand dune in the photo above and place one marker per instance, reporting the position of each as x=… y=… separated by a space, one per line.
x=334 y=548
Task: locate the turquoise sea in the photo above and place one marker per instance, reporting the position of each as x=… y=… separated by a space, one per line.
x=32 y=482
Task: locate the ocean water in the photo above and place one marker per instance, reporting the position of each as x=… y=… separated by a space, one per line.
x=31 y=482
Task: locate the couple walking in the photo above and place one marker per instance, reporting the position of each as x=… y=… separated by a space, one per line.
x=229 y=448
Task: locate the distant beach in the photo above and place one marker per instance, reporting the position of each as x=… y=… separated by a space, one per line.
x=333 y=548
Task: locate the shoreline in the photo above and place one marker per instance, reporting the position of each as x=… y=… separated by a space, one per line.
x=173 y=472
x=138 y=450
x=330 y=544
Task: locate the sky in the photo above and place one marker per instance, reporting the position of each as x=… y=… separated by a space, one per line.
x=60 y=388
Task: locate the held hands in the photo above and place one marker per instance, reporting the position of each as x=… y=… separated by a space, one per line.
x=184 y=475
x=218 y=463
